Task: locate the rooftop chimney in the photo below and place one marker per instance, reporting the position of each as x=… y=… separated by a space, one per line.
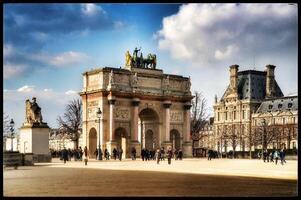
x=270 y=81
x=233 y=78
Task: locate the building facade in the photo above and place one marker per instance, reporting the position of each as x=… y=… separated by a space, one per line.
x=276 y=123
x=242 y=103
x=141 y=108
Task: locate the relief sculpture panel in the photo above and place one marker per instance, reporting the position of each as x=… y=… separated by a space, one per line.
x=122 y=113
x=92 y=109
x=176 y=116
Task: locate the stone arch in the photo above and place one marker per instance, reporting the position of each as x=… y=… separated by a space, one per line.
x=151 y=107
x=92 y=142
x=122 y=140
x=175 y=138
x=149 y=127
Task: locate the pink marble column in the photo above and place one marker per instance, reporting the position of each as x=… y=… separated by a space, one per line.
x=167 y=105
x=135 y=104
x=186 y=134
x=112 y=124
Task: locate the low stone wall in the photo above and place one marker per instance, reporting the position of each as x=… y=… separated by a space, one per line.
x=12 y=159
x=27 y=159
x=41 y=158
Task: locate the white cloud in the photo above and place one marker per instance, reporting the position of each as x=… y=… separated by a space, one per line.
x=205 y=39
x=26 y=88
x=91 y=9
x=230 y=51
x=10 y=71
x=70 y=92
x=7 y=50
x=47 y=90
x=65 y=59
x=206 y=33
x=68 y=58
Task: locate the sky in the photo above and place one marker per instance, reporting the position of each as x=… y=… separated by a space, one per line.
x=47 y=47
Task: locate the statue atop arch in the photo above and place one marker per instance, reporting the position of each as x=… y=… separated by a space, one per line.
x=33 y=112
x=138 y=61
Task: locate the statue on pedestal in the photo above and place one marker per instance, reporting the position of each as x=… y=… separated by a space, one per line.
x=33 y=112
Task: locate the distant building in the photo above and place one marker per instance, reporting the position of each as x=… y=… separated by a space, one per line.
x=58 y=139
x=207 y=137
x=279 y=117
x=245 y=100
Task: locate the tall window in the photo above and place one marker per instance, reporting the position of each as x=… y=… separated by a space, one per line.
x=243 y=114
x=226 y=113
x=234 y=114
x=218 y=116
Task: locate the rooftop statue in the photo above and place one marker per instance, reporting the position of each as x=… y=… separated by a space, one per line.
x=33 y=112
x=138 y=61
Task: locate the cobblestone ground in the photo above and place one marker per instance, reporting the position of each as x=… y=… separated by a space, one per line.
x=189 y=177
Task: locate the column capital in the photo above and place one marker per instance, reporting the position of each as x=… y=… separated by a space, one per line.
x=167 y=104
x=187 y=105
x=135 y=101
x=111 y=99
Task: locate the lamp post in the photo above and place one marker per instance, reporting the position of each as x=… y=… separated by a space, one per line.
x=98 y=114
x=263 y=135
x=12 y=123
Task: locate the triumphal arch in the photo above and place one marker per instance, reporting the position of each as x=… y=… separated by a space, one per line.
x=141 y=107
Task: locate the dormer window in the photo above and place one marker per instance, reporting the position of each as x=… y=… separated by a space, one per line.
x=289 y=105
x=279 y=106
x=270 y=107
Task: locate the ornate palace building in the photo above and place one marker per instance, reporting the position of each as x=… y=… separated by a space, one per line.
x=141 y=107
x=252 y=95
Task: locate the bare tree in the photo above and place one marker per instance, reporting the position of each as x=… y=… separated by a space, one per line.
x=199 y=115
x=6 y=125
x=72 y=120
x=266 y=133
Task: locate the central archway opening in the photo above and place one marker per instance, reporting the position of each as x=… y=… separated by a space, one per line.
x=175 y=139
x=122 y=140
x=148 y=129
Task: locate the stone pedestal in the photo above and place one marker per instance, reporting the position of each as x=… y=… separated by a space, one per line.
x=187 y=149
x=34 y=138
x=110 y=146
x=137 y=146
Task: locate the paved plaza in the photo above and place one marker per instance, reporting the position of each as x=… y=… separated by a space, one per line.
x=189 y=177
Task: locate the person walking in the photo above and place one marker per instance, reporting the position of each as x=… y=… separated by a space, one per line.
x=65 y=155
x=143 y=154
x=158 y=155
x=180 y=153
x=80 y=154
x=209 y=154
x=106 y=154
x=114 y=153
x=272 y=156
x=120 y=153
x=169 y=155
x=264 y=154
x=276 y=156
x=86 y=155
x=96 y=153
x=282 y=155
x=133 y=153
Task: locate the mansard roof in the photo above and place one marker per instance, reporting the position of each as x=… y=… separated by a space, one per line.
x=279 y=104
x=251 y=84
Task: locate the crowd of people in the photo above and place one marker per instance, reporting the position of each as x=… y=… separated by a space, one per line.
x=68 y=154
x=159 y=154
x=273 y=156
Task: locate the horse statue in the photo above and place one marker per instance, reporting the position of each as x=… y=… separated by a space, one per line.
x=150 y=61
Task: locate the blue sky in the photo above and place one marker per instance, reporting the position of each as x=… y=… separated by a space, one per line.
x=48 y=46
